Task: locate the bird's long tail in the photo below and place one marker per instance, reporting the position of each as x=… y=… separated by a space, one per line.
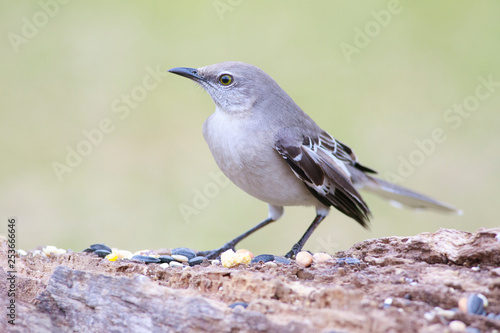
x=400 y=196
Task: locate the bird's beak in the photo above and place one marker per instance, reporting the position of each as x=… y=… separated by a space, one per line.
x=190 y=73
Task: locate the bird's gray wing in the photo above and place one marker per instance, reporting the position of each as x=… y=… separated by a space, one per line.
x=341 y=151
x=321 y=165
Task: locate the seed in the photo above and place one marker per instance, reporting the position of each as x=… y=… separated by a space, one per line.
x=123 y=254
x=448 y=314
x=175 y=264
x=112 y=256
x=476 y=304
x=95 y=247
x=457 y=326
x=304 y=258
x=263 y=258
x=102 y=253
x=245 y=252
x=184 y=251
x=166 y=258
x=321 y=257
x=145 y=259
x=231 y=259
x=235 y=304
x=197 y=261
x=180 y=258
x=281 y=260
x=244 y=256
x=150 y=253
x=48 y=250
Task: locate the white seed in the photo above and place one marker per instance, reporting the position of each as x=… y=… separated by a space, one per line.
x=304 y=258
x=321 y=257
x=180 y=258
x=123 y=254
x=175 y=264
x=457 y=326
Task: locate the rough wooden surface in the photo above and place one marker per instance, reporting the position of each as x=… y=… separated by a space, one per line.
x=77 y=292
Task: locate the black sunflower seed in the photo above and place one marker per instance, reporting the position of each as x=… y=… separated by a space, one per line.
x=95 y=247
x=102 y=253
x=145 y=259
x=263 y=258
x=197 y=261
x=184 y=251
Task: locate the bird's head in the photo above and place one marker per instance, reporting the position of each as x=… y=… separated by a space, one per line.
x=234 y=86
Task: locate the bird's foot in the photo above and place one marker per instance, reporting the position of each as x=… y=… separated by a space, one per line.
x=213 y=254
x=293 y=252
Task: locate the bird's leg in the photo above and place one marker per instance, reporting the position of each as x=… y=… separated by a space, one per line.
x=298 y=246
x=232 y=243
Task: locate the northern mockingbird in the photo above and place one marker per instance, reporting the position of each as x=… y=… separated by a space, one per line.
x=265 y=144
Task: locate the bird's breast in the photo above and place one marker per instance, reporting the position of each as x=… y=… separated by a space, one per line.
x=246 y=155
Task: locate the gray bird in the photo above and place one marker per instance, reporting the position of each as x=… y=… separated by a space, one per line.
x=265 y=144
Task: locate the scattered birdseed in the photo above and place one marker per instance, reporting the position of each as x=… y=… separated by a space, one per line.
x=180 y=258
x=197 y=261
x=474 y=304
x=123 y=254
x=235 y=304
x=244 y=256
x=231 y=259
x=321 y=257
x=22 y=252
x=165 y=265
x=102 y=253
x=95 y=247
x=149 y=253
x=162 y=252
x=175 y=264
x=166 y=258
x=49 y=249
x=184 y=251
x=112 y=256
x=447 y=314
x=457 y=326
x=304 y=258
x=282 y=260
x=245 y=251
x=145 y=259
x=263 y=258
x=270 y=264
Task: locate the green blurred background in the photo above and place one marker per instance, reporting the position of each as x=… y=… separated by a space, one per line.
x=67 y=66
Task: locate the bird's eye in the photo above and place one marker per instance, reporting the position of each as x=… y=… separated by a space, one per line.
x=225 y=79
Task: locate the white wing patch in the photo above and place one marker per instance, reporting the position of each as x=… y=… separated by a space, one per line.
x=321 y=163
